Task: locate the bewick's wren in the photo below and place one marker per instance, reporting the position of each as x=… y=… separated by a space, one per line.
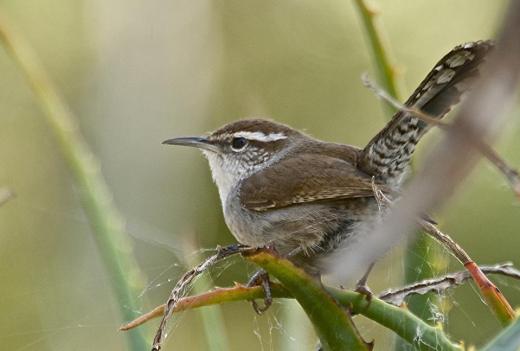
x=308 y=197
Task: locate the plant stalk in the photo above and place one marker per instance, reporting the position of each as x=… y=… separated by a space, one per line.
x=106 y=222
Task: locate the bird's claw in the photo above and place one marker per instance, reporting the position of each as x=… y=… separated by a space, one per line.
x=261 y=278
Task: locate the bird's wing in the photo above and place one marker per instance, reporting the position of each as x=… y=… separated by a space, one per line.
x=306 y=178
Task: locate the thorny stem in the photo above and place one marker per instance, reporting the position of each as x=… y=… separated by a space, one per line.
x=481 y=116
x=495 y=299
x=107 y=223
x=334 y=327
x=493 y=296
x=184 y=283
x=216 y=296
x=446 y=241
x=394 y=296
x=445 y=282
x=378 y=43
x=212 y=318
x=420 y=251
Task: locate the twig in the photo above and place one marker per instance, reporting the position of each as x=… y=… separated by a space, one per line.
x=212 y=319
x=511 y=174
x=446 y=241
x=494 y=297
x=395 y=296
x=441 y=284
x=184 y=283
x=106 y=222
x=496 y=300
x=401 y=321
x=216 y=296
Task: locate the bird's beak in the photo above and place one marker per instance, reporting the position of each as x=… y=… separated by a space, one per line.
x=198 y=142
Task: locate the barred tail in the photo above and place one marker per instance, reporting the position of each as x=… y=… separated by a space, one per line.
x=388 y=154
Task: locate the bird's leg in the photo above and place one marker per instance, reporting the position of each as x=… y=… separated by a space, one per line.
x=261 y=278
x=361 y=285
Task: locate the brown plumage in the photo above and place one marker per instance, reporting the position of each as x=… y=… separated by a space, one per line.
x=308 y=197
x=325 y=177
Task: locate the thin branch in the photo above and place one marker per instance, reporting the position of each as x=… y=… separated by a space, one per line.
x=106 y=222
x=481 y=116
x=446 y=241
x=496 y=300
x=394 y=296
x=214 y=297
x=441 y=284
x=401 y=321
x=212 y=319
x=185 y=282
x=511 y=174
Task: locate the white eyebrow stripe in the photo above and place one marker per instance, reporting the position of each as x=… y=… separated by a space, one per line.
x=259 y=136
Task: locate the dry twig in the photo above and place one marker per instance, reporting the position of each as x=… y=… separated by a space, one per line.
x=496 y=300
x=441 y=284
x=480 y=117
x=185 y=282
x=393 y=296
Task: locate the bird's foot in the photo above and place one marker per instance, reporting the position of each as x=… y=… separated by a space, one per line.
x=261 y=278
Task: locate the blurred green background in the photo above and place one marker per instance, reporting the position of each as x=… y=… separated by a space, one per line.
x=138 y=72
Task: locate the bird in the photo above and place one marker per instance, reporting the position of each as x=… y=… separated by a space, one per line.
x=307 y=198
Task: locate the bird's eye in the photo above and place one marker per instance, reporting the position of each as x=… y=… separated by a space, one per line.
x=238 y=144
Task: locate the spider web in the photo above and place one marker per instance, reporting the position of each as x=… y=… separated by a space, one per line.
x=68 y=310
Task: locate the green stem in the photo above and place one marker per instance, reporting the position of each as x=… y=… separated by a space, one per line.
x=423 y=256
x=321 y=309
x=405 y=324
x=107 y=224
x=379 y=46
x=332 y=324
x=411 y=328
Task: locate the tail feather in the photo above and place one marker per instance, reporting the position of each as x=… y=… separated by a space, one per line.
x=388 y=154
